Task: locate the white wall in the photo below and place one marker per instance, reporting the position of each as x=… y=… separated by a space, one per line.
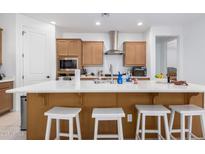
x=172 y=53
x=161 y=56
x=194 y=51
x=8 y=23
x=116 y=60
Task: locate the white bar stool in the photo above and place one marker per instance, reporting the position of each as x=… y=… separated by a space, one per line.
x=104 y=114
x=63 y=113
x=189 y=111
x=152 y=110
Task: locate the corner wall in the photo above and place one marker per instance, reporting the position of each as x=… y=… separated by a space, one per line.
x=8 y=67
x=8 y=24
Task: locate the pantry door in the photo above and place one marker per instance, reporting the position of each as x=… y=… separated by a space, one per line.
x=36 y=61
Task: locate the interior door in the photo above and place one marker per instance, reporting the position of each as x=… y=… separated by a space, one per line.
x=36 y=61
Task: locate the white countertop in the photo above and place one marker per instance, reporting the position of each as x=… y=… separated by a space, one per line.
x=91 y=87
x=7 y=79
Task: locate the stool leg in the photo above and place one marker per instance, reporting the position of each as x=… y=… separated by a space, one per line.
x=71 y=128
x=143 y=127
x=120 y=129
x=48 y=129
x=138 y=126
x=182 y=125
x=202 y=118
x=171 y=122
x=78 y=126
x=57 y=129
x=159 y=127
x=190 y=127
x=166 y=127
x=96 y=129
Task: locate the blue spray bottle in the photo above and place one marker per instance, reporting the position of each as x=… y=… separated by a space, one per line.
x=119 y=78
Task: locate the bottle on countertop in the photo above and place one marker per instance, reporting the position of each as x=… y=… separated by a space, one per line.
x=128 y=76
x=119 y=78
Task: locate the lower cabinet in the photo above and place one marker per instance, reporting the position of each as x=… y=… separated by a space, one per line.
x=6 y=100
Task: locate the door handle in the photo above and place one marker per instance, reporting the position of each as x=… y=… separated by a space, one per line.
x=48 y=77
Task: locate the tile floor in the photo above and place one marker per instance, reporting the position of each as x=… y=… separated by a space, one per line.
x=10 y=127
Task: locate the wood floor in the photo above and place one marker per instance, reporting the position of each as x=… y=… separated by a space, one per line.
x=10 y=127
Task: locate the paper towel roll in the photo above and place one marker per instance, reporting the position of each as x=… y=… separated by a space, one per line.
x=77 y=76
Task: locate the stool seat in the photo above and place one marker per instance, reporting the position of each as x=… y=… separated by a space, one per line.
x=152 y=109
x=108 y=112
x=187 y=109
x=104 y=114
x=62 y=112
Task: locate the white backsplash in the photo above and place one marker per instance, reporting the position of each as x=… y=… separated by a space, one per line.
x=115 y=60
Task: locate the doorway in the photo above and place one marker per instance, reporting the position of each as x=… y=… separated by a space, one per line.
x=167 y=55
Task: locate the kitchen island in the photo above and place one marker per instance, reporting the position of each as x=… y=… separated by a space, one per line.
x=87 y=95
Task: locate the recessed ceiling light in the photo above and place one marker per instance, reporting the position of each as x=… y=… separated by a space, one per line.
x=140 y=23
x=53 y=22
x=97 y=23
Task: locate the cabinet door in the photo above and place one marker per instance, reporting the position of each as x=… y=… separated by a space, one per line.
x=135 y=53
x=92 y=53
x=140 y=56
x=87 y=53
x=97 y=53
x=74 y=47
x=130 y=54
x=5 y=101
x=62 y=48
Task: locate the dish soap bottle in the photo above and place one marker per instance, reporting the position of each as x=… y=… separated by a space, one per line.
x=119 y=78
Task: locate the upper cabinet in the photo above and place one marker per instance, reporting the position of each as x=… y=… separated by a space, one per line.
x=1 y=45
x=92 y=53
x=68 y=47
x=135 y=53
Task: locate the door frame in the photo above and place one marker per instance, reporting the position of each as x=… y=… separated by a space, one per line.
x=180 y=54
x=22 y=20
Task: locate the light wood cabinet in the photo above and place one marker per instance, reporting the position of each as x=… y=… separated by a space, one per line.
x=135 y=53
x=6 y=100
x=92 y=53
x=68 y=47
x=1 y=45
x=62 y=47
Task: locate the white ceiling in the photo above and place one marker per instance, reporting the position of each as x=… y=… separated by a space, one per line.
x=124 y=22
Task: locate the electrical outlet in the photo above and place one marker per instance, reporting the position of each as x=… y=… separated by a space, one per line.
x=129 y=117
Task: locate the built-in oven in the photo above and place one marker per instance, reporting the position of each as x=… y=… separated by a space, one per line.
x=68 y=64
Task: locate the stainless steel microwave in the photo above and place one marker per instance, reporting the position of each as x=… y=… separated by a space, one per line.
x=68 y=64
x=139 y=71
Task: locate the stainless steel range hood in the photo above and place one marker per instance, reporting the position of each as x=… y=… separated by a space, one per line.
x=114 y=44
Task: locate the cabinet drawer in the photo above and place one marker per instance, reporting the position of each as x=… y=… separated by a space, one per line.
x=6 y=100
x=5 y=85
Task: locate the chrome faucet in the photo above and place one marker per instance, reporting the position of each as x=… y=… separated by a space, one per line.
x=111 y=72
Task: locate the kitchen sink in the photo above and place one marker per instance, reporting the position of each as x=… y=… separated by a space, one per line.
x=98 y=81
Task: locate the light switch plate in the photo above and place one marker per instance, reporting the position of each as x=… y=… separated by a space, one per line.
x=129 y=117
